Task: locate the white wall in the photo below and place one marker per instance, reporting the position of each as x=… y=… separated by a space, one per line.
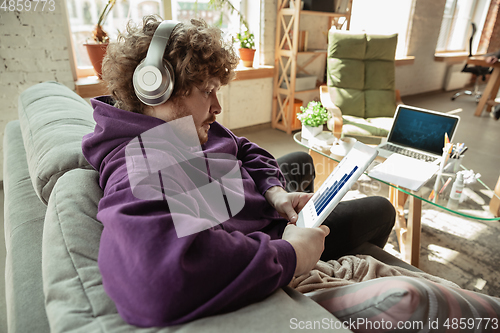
x=33 y=49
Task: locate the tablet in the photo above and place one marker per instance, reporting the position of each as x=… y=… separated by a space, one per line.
x=350 y=168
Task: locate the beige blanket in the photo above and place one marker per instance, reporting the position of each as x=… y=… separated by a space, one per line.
x=351 y=269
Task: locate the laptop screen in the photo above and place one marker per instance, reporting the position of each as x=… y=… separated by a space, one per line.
x=422 y=129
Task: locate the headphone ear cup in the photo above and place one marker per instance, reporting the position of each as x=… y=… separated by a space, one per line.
x=153 y=86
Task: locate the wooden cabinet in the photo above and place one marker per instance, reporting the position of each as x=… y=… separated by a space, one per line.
x=291 y=42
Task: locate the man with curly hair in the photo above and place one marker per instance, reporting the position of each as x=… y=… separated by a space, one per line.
x=155 y=275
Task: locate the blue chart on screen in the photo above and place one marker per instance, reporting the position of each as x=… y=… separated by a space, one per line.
x=321 y=201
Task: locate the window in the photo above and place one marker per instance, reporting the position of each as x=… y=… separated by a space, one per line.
x=84 y=14
x=383 y=17
x=229 y=22
x=455 y=29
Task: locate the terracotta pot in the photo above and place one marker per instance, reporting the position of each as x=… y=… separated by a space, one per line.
x=96 y=54
x=246 y=56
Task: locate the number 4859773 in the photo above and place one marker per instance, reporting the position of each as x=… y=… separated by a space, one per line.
x=27 y=5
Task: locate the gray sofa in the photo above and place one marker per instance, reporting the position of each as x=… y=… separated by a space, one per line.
x=52 y=237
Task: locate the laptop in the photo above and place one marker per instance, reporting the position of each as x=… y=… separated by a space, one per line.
x=350 y=168
x=419 y=133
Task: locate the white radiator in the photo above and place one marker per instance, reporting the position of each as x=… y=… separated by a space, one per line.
x=455 y=79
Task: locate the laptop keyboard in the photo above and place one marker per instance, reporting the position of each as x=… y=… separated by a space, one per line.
x=409 y=153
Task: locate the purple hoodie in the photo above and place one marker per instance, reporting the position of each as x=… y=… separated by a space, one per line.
x=155 y=277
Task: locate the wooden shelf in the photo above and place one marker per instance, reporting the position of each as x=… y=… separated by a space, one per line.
x=286 y=53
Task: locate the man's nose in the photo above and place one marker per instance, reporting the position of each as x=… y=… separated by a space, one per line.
x=215 y=107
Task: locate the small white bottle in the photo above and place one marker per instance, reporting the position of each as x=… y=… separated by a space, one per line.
x=456 y=191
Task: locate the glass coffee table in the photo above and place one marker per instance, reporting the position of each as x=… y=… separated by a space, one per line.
x=474 y=203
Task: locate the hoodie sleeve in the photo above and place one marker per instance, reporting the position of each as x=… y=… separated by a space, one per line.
x=156 y=278
x=260 y=164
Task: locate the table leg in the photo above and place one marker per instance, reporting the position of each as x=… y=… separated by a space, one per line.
x=407 y=232
x=488 y=91
x=398 y=201
x=414 y=230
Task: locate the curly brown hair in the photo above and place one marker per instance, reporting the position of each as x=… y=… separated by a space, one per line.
x=196 y=51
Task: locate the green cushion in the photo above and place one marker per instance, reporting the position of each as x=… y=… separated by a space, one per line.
x=346 y=73
x=382 y=47
x=343 y=44
x=380 y=103
x=350 y=101
x=361 y=73
x=379 y=75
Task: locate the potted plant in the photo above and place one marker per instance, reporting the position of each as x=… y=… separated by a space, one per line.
x=247 y=47
x=245 y=39
x=97 y=48
x=312 y=117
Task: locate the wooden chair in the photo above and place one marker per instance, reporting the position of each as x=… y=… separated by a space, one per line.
x=360 y=91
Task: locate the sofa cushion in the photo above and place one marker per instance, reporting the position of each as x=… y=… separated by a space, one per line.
x=53 y=121
x=411 y=305
x=74 y=294
x=24 y=214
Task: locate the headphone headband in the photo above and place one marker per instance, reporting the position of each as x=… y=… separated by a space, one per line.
x=159 y=42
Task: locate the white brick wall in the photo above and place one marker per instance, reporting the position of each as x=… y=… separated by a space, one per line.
x=33 y=49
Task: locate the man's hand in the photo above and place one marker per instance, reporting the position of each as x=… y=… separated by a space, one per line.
x=491 y=60
x=308 y=244
x=287 y=204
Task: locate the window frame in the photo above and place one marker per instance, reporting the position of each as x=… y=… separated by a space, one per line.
x=84 y=72
x=477 y=14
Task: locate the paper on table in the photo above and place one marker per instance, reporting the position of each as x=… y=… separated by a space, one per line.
x=404 y=171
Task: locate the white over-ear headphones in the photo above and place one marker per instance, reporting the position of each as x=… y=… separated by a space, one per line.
x=153 y=78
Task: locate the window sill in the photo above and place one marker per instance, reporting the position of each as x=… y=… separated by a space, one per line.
x=451 y=57
x=91 y=86
x=407 y=60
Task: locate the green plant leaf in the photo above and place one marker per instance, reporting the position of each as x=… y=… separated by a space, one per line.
x=314 y=114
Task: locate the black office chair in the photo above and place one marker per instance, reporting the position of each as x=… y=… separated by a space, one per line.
x=477 y=71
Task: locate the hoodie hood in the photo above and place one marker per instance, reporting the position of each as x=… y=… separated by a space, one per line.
x=114 y=129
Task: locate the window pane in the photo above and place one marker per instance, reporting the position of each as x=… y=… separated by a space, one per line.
x=184 y=10
x=456 y=26
x=84 y=14
x=460 y=33
x=384 y=17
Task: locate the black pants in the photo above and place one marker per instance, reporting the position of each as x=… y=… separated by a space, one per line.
x=352 y=222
